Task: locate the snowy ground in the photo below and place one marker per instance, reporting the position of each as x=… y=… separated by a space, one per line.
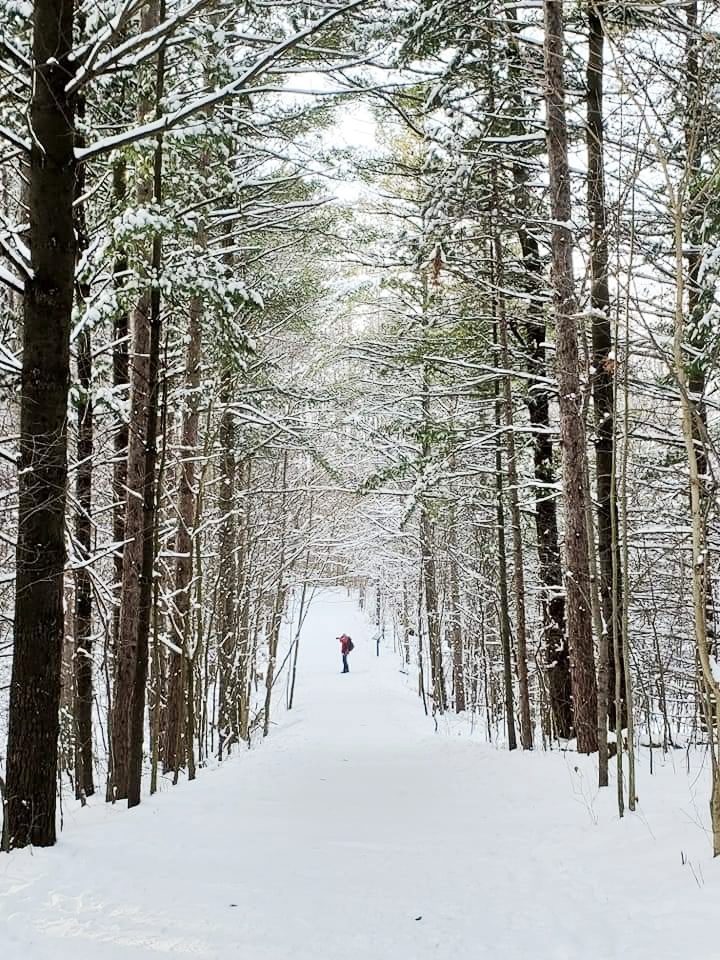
x=355 y=832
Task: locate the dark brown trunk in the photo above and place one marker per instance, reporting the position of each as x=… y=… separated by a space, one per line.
x=128 y=711
x=84 y=785
x=31 y=763
x=227 y=577
x=456 y=630
x=83 y=662
x=175 y=747
x=552 y=596
x=429 y=580
x=126 y=654
x=121 y=374
x=427 y=561
x=503 y=612
x=526 y=731
x=279 y=600
x=557 y=656
x=242 y=674
x=137 y=725
x=603 y=377
x=572 y=437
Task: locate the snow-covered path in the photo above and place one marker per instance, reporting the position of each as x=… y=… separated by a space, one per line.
x=356 y=831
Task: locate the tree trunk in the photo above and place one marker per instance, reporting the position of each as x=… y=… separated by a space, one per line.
x=227 y=574
x=175 y=747
x=552 y=596
x=30 y=791
x=128 y=711
x=577 y=580
x=429 y=579
x=121 y=373
x=244 y=655
x=279 y=600
x=83 y=662
x=504 y=618
x=84 y=785
x=690 y=375
x=455 y=621
x=427 y=549
x=557 y=655
x=526 y=731
x=603 y=377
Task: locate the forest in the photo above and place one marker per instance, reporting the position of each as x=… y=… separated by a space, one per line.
x=417 y=299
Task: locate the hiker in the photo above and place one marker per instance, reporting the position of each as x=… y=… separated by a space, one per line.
x=346 y=645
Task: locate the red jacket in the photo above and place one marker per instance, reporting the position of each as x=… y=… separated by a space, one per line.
x=344 y=644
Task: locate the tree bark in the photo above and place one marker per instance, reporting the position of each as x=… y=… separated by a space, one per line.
x=455 y=619
x=82 y=660
x=526 y=731
x=577 y=579
x=552 y=596
x=227 y=575
x=121 y=374
x=429 y=580
x=427 y=541
x=128 y=711
x=84 y=785
x=603 y=375
x=175 y=747
x=504 y=617
x=30 y=792
x=279 y=600
x=691 y=379
x=557 y=655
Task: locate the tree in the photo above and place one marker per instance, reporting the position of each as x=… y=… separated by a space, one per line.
x=30 y=790
x=603 y=388
x=577 y=578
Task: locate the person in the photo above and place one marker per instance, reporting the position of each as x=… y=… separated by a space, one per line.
x=346 y=645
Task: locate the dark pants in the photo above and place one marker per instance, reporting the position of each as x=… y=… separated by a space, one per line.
x=346 y=668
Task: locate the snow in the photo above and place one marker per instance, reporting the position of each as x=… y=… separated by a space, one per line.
x=714 y=669
x=358 y=832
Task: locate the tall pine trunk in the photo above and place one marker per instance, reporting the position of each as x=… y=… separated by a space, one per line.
x=429 y=582
x=455 y=614
x=504 y=610
x=552 y=595
x=603 y=386
x=83 y=662
x=181 y=623
x=526 y=731
x=556 y=653
x=121 y=374
x=278 y=606
x=128 y=710
x=572 y=435
x=227 y=577
x=30 y=790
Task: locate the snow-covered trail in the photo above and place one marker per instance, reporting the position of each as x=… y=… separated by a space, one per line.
x=356 y=831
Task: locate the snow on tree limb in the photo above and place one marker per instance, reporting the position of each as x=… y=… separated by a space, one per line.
x=10 y=280
x=239 y=84
x=17 y=57
x=145 y=43
x=17 y=141
x=16 y=252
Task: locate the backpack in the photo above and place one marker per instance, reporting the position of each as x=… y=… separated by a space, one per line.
x=350 y=645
